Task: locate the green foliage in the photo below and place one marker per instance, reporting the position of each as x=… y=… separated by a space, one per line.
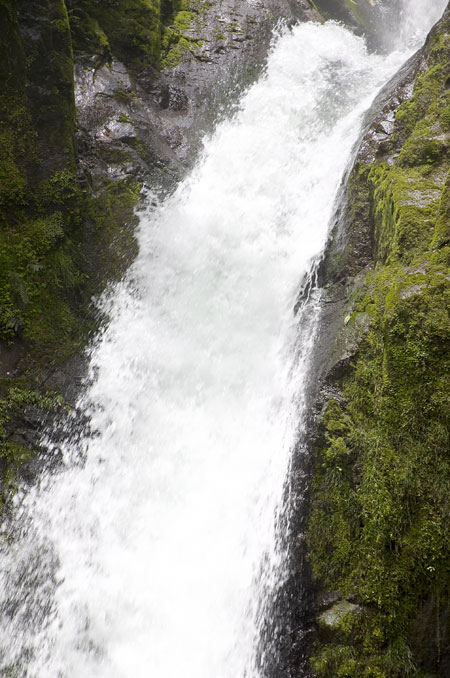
x=39 y=266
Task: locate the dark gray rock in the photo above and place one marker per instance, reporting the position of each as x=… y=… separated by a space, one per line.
x=148 y=124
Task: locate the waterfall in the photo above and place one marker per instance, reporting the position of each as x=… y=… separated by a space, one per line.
x=414 y=17
x=143 y=554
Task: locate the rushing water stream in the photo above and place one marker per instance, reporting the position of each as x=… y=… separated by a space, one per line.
x=143 y=559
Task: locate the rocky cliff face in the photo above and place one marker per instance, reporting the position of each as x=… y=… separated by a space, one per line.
x=378 y=533
x=41 y=216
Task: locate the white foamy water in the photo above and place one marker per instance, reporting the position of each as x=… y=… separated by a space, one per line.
x=142 y=561
x=417 y=16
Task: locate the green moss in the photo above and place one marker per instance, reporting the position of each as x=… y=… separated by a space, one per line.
x=124 y=118
x=441 y=235
x=405 y=210
x=113 y=213
x=427 y=88
x=407 y=199
x=175 y=42
x=88 y=36
x=12 y=183
x=18 y=154
x=133 y=30
x=183 y=20
x=12 y=55
x=13 y=404
x=177 y=35
x=57 y=243
x=128 y=28
x=49 y=84
x=379 y=530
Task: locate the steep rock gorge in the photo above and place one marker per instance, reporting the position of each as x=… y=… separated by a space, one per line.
x=75 y=155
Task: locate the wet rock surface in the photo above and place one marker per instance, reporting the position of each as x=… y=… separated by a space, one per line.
x=332 y=616
x=149 y=124
x=375 y=278
x=119 y=128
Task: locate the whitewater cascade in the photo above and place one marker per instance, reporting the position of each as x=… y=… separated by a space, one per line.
x=140 y=557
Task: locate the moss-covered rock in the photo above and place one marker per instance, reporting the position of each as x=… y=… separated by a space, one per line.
x=379 y=529
x=333 y=618
x=58 y=242
x=132 y=30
